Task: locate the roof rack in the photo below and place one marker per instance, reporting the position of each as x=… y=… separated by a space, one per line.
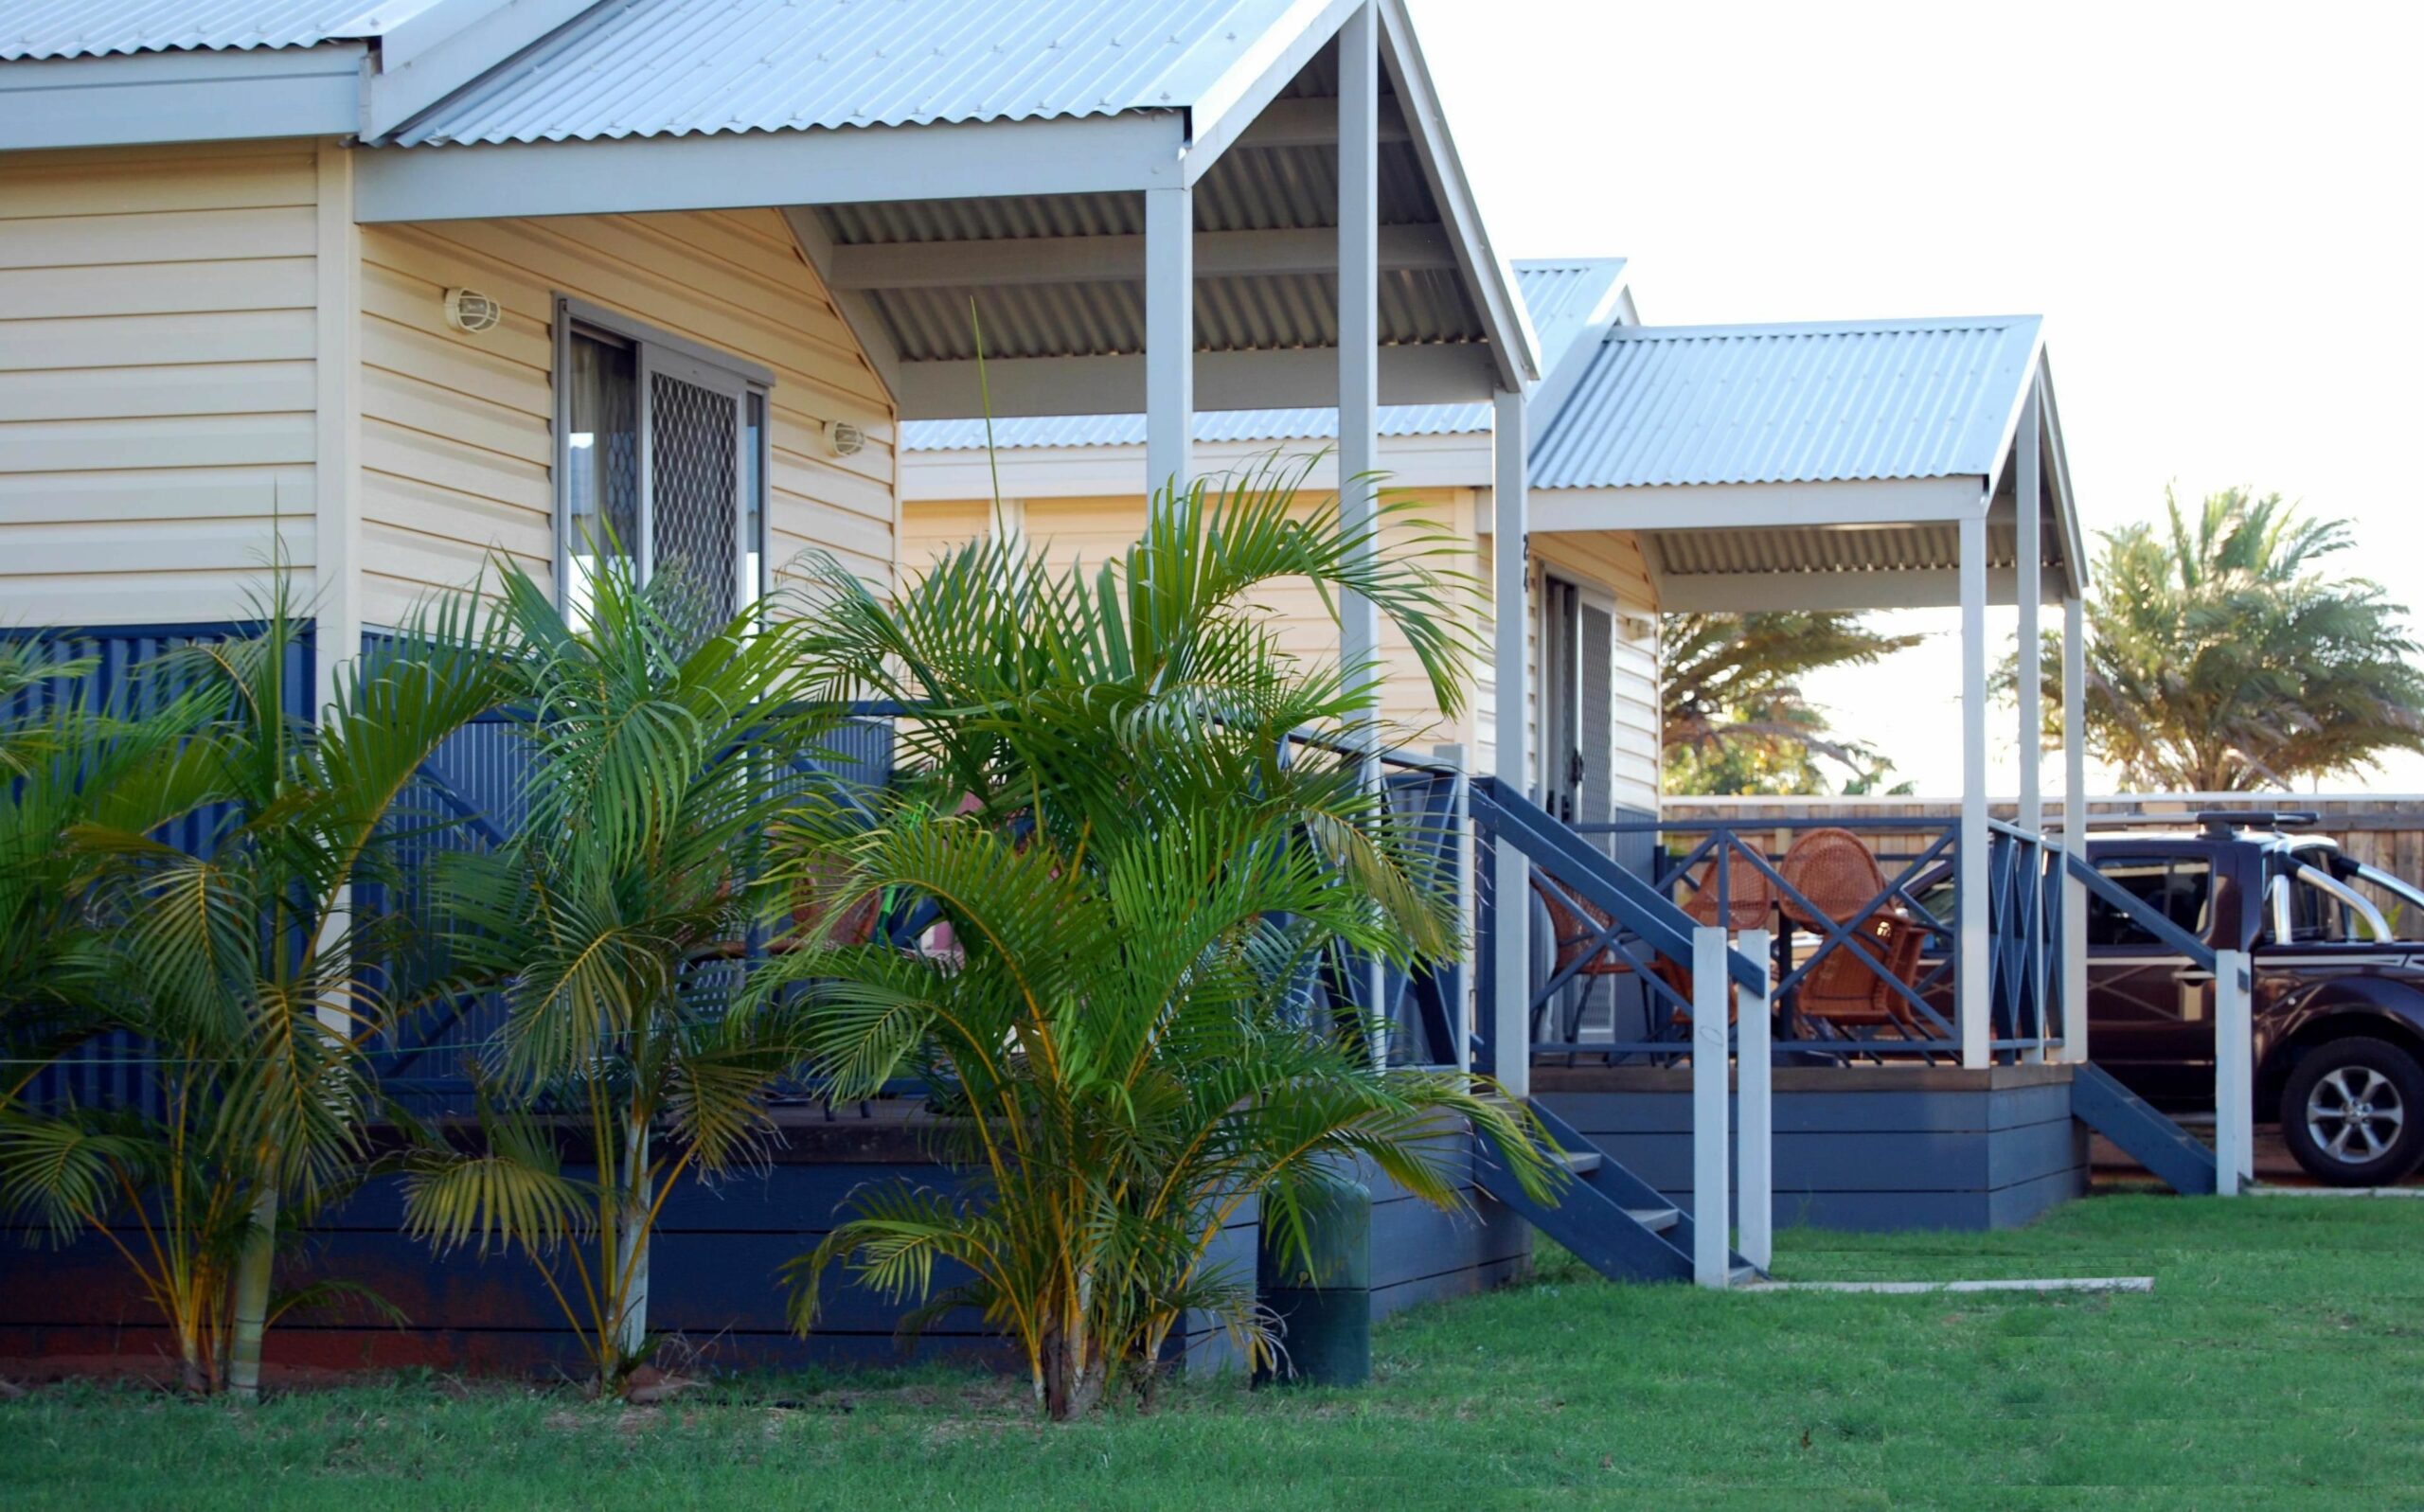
x=2217 y=824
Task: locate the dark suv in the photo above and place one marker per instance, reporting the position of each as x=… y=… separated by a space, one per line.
x=2339 y=1003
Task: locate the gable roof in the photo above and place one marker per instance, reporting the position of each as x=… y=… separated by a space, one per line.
x=1567 y=298
x=1823 y=403
x=675 y=67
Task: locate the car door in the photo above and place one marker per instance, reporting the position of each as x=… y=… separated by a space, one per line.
x=2151 y=1019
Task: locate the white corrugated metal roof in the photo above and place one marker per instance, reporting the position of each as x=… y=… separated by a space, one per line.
x=1561 y=296
x=672 y=67
x=1800 y=403
x=92 y=29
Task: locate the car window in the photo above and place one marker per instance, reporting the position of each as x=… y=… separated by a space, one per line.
x=2180 y=888
x=2315 y=916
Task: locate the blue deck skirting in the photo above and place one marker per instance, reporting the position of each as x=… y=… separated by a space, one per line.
x=714 y=1274
x=1869 y=1149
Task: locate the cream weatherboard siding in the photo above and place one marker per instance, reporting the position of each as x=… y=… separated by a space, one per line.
x=156 y=379
x=1612 y=562
x=456 y=430
x=1092 y=531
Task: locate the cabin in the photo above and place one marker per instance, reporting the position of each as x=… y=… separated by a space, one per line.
x=372 y=293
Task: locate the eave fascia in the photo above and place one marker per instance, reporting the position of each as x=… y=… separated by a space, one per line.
x=1230 y=106
x=1509 y=323
x=131 y=99
x=725 y=171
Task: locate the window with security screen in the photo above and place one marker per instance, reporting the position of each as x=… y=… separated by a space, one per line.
x=661 y=463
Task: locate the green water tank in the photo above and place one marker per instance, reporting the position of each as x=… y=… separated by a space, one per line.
x=1325 y=1308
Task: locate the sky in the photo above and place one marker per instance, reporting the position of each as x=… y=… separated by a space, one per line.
x=2216 y=207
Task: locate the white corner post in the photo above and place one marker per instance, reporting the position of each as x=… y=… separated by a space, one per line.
x=336 y=484
x=1358 y=357
x=1754 y=1124
x=2027 y=557
x=2073 y=824
x=2233 y=1075
x=1971 y=1001
x=1511 y=986
x=1712 y=1150
x=1170 y=338
x=1460 y=854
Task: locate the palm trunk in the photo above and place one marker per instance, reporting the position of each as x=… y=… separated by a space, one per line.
x=252 y=1265
x=630 y=1257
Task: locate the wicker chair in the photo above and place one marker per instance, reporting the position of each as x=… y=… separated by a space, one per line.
x=1749 y=902
x=1852 y=986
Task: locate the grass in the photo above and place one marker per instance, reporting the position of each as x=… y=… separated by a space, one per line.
x=2280 y=1363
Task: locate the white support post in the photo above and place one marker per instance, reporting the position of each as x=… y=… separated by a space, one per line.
x=1972 y=993
x=2074 y=827
x=1359 y=300
x=1359 y=350
x=1754 y=1090
x=1712 y=1249
x=2027 y=558
x=1460 y=853
x=2233 y=1075
x=336 y=487
x=1512 y=874
x=1170 y=338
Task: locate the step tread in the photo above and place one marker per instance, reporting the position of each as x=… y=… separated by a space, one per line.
x=1582 y=1161
x=1656 y=1220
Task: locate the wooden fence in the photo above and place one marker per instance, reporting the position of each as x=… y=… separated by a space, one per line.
x=2381 y=830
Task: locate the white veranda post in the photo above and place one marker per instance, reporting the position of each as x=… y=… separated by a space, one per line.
x=2074 y=823
x=1170 y=338
x=1510 y=873
x=1970 y=1002
x=2030 y=675
x=1359 y=347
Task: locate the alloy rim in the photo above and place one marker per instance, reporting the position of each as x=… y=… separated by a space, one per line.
x=2355 y=1114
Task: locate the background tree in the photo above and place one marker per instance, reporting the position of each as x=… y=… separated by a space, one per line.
x=1735 y=719
x=2223 y=656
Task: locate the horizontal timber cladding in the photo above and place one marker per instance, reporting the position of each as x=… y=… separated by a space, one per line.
x=458 y=431
x=157 y=391
x=1883 y=1149
x=715 y=1273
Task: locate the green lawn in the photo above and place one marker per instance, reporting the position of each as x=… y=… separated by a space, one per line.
x=2279 y=1362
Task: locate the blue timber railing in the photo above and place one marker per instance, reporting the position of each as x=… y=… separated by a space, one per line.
x=117 y=1069
x=1604 y=995
x=1636 y=923
x=471 y=797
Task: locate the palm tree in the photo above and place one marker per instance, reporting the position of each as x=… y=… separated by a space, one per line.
x=610 y=926
x=1734 y=716
x=1152 y=835
x=63 y=748
x=2224 y=657
x=231 y=949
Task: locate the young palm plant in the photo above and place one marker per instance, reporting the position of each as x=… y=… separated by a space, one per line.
x=612 y=927
x=1154 y=838
x=215 y=864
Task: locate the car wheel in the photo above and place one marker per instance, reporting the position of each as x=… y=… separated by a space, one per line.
x=2353 y=1112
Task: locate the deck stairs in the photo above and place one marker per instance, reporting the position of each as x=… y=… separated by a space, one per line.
x=1613 y=1221
x=2177 y=1158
